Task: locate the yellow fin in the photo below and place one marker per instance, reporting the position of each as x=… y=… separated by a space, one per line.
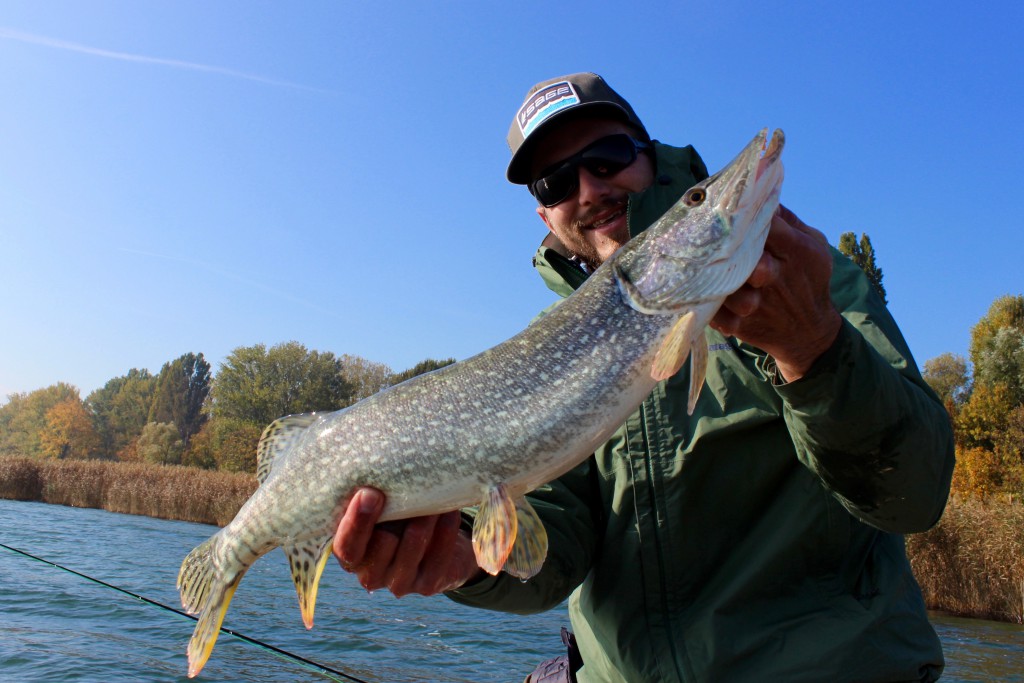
x=204 y=592
x=698 y=370
x=494 y=530
x=531 y=544
x=674 y=348
x=307 y=560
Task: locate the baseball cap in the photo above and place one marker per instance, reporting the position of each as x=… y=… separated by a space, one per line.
x=555 y=100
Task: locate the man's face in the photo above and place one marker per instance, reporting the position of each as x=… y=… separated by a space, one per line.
x=591 y=222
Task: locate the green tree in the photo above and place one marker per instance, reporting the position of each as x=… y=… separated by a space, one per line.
x=181 y=389
x=863 y=254
x=997 y=347
x=225 y=443
x=259 y=385
x=947 y=375
x=121 y=410
x=160 y=443
x=365 y=377
x=68 y=432
x=23 y=418
x=424 y=366
x=982 y=420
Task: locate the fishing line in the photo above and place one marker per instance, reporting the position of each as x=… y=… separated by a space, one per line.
x=283 y=654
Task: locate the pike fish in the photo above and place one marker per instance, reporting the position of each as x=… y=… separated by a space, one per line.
x=487 y=430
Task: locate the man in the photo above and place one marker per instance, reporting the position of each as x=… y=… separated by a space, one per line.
x=761 y=537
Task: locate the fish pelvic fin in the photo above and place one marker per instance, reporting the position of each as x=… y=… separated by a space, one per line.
x=307 y=560
x=531 y=544
x=278 y=438
x=204 y=591
x=494 y=529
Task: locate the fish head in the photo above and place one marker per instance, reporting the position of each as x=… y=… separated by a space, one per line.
x=707 y=244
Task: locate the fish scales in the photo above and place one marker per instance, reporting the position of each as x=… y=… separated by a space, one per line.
x=489 y=429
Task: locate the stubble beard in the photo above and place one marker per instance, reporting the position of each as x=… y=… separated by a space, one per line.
x=574 y=239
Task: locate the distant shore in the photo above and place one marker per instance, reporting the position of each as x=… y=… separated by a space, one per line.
x=970 y=565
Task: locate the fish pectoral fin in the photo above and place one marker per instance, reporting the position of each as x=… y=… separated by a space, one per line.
x=278 y=438
x=698 y=370
x=204 y=592
x=531 y=544
x=494 y=530
x=307 y=560
x=678 y=343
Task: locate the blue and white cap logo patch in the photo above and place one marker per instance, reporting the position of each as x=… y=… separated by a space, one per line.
x=544 y=103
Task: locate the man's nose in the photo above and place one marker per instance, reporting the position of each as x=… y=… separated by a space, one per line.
x=592 y=188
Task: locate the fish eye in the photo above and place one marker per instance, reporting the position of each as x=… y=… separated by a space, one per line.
x=695 y=196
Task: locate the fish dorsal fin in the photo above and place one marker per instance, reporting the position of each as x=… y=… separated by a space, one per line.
x=494 y=529
x=278 y=438
x=675 y=347
x=307 y=560
x=531 y=544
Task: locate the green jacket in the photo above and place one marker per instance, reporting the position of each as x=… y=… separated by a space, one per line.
x=759 y=539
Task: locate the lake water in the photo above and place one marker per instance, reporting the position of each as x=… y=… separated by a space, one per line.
x=55 y=625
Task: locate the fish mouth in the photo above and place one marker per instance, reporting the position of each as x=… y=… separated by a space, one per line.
x=751 y=181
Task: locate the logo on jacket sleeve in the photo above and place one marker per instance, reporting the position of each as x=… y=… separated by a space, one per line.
x=544 y=103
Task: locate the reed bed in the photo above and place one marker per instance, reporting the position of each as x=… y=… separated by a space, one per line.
x=972 y=563
x=164 y=491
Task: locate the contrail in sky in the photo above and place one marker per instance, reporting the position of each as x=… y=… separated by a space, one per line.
x=231 y=276
x=33 y=39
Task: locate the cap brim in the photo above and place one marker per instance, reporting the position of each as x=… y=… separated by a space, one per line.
x=518 y=171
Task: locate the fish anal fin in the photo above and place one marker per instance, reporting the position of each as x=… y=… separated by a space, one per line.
x=494 y=530
x=278 y=438
x=307 y=560
x=531 y=544
x=675 y=347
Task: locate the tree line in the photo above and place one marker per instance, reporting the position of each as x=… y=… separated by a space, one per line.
x=186 y=414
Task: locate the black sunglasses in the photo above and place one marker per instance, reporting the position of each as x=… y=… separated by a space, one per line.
x=603 y=158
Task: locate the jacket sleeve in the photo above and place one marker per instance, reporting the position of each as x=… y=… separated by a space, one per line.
x=570 y=520
x=864 y=420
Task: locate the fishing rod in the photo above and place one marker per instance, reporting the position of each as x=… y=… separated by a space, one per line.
x=284 y=654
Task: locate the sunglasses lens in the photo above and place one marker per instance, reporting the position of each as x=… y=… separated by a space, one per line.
x=603 y=158
x=556 y=187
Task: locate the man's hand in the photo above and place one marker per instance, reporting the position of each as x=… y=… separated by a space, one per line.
x=785 y=308
x=425 y=555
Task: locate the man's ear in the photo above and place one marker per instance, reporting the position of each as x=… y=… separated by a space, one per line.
x=543 y=213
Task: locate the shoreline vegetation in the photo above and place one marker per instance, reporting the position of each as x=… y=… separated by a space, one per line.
x=971 y=564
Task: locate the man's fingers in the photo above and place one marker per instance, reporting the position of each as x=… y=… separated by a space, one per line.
x=405 y=564
x=357 y=526
x=435 y=576
x=373 y=571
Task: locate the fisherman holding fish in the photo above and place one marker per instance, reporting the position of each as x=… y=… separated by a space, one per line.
x=761 y=537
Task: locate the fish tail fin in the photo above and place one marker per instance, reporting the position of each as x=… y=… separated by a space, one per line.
x=204 y=591
x=307 y=560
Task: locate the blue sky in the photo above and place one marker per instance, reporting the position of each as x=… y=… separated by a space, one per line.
x=193 y=177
